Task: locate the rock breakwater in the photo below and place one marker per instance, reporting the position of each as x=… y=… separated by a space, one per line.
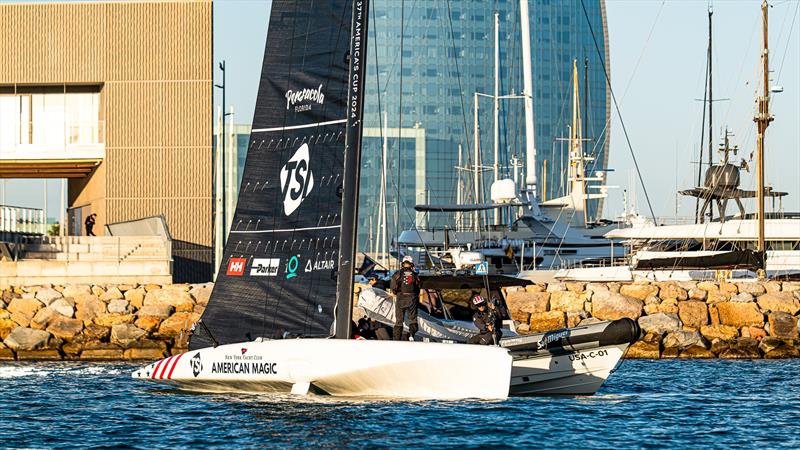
x=744 y=320
x=92 y=322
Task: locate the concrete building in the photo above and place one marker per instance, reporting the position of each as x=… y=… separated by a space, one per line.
x=116 y=98
x=448 y=55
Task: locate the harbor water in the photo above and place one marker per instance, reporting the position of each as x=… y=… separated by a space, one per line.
x=666 y=403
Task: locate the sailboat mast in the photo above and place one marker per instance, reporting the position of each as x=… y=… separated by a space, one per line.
x=496 y=106
x=710 y=103
x=476 y=163
x=762 y=120
x=527 y=92
x=459 y=187
x=352 y=167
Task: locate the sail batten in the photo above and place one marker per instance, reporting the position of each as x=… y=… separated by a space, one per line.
x=278 y=277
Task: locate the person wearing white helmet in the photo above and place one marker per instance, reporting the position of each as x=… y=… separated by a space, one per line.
x=406 y=286
x=486 y=321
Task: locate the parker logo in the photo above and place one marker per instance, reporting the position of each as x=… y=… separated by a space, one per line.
x=265 y=267
x=297 y=180
x=236 y=267
x=305 y=97
x=197 y=365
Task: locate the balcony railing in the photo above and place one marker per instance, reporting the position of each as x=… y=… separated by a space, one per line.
x=15 y=219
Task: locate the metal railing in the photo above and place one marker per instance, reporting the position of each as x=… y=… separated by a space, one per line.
x=14 y=219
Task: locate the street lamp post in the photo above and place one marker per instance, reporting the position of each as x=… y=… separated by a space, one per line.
x=222 y=150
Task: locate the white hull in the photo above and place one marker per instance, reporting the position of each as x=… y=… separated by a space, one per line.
x=348 y=368
x=581 y=372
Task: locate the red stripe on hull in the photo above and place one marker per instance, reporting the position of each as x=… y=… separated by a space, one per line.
x=174 y=365
x=155 y=371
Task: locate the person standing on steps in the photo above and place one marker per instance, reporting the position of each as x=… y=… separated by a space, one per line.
x=406 y=286
x=89 y=223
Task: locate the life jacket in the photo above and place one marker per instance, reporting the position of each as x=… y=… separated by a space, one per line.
x=409 y=283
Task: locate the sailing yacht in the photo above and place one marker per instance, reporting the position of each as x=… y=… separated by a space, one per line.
x=743 y=247
x=546 y=235
x=279 y=317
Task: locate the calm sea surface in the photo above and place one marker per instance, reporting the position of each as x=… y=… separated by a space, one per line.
x=644 y=404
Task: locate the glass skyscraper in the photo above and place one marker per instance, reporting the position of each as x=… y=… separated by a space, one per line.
x=444 y=56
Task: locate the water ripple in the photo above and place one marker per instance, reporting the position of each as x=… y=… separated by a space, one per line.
x=646 y=404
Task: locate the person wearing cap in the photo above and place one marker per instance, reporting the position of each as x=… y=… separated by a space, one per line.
x=486 y=321
x=406 y=286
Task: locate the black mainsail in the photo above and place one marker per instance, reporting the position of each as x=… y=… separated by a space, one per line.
x=291 y=243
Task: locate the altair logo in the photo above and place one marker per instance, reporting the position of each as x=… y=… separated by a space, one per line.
x=297 y=180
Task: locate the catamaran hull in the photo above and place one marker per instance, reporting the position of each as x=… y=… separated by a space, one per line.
x=347 y=368
x=575 y=373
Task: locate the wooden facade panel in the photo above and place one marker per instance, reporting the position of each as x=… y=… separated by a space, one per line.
x=154 y=62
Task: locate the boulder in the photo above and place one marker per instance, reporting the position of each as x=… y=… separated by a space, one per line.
x=6 y=326
x=660 y=323
x=772 y=286
x=790 y=286
x=668 y=307
x=109 y=320
x=693 y=314
x=73 y=290
x=671 y=291
x=24 y=309
x=64 y=307
x=574 y=318
x=783 y=352
x=522 y=304
x=119 y=306
x=651 y=309
x=540 y=322
x=151 y=287
x=779 y=301
x=126 y=334
x=594 y=287
x=770 y=343
x=536 y=287
x=683 y=339
x=724 y=332
x=148 y=323
x=94 y=332
x=782 y=325
x=177 y=324
x=715 y=297
x=111 y=294
x=719 y=346
x=575 y=286
x=46 y=296
x=39 y=355
x=65 y=328
x=697 y=352
x=728 y=288
x=743 y=297
x=202 y=292
x=98 y=291
x=567 y=301
x=185 y=287
x=144 y=353
x=43 y=317
x=88 y=307
x=708 y=286
x=160 y=311
x=126 y=287
x=753 y=288
x=740 y=314
x=27 y=339
x=753 y=332
x=639 y=291
x=72 y=350
x=652 y=337
x=136 y=297
x=697 y=294
x=742 y=348
x=607 y=305
x=556 y=287
x=173 y=297
x=644 y=350
x=670 y=353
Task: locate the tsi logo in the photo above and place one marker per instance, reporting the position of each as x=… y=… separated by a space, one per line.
x=197 y=365
x=297 y=180
x=236 y=267
x=265 y=267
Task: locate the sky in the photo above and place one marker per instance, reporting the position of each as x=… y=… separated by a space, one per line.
x=658 y=59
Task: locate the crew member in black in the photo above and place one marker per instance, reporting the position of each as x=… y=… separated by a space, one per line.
x=486 y=321
x=406 y=286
